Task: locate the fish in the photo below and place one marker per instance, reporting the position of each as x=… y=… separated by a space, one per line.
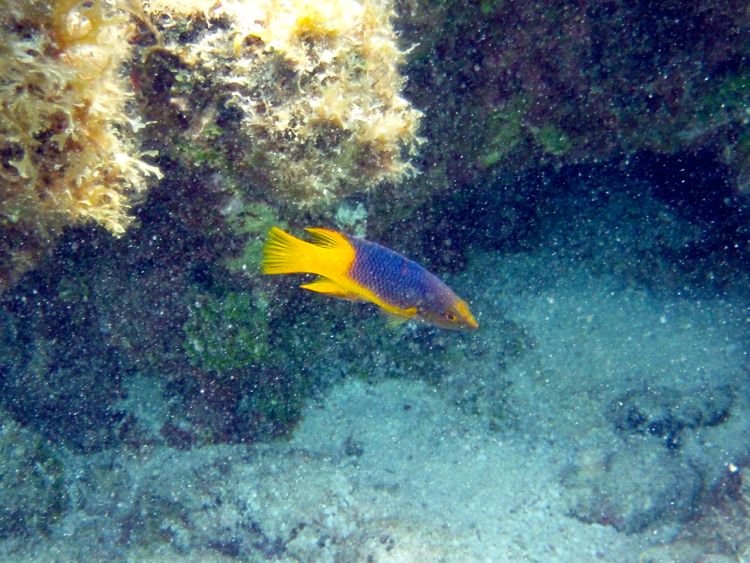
x=356 y=269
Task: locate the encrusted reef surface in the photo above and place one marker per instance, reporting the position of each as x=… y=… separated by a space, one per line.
x=512 y=84
x=578 y=174
x=68 y=141
x=298 y=102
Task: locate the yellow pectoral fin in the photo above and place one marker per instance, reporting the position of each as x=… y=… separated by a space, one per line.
x=394 y=321
x=324 y=285
x=395 y=316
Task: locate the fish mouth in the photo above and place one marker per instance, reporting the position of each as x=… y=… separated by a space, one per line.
x=468 y=321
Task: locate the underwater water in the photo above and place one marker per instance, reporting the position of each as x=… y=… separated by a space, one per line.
x=586 y=194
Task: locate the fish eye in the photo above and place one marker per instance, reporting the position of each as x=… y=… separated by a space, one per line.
x=450 y=316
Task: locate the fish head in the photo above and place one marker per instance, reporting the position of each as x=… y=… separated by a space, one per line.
x=448 y=311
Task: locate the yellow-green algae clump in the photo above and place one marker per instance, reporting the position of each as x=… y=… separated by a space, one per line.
x=295 y=102
x=315 y=86
x=67 y=145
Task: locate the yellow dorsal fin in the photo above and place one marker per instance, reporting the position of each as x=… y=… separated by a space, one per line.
x=329 y=255
x=327 y=238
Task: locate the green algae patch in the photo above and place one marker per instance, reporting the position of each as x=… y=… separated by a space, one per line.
x=227 y=332
x=251 y=222
x=728 y=97
x=504 y=132
x=552 y=139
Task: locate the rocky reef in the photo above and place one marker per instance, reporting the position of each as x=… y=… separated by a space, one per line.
x=68 y=137
x=300 y=101
x=33 y=496
x=524 y=84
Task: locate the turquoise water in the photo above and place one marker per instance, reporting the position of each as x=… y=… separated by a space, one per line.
x=161 y=400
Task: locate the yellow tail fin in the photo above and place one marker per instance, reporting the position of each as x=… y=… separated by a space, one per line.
x=330 y=255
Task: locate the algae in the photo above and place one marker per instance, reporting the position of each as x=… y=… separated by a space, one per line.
x=226 y=332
